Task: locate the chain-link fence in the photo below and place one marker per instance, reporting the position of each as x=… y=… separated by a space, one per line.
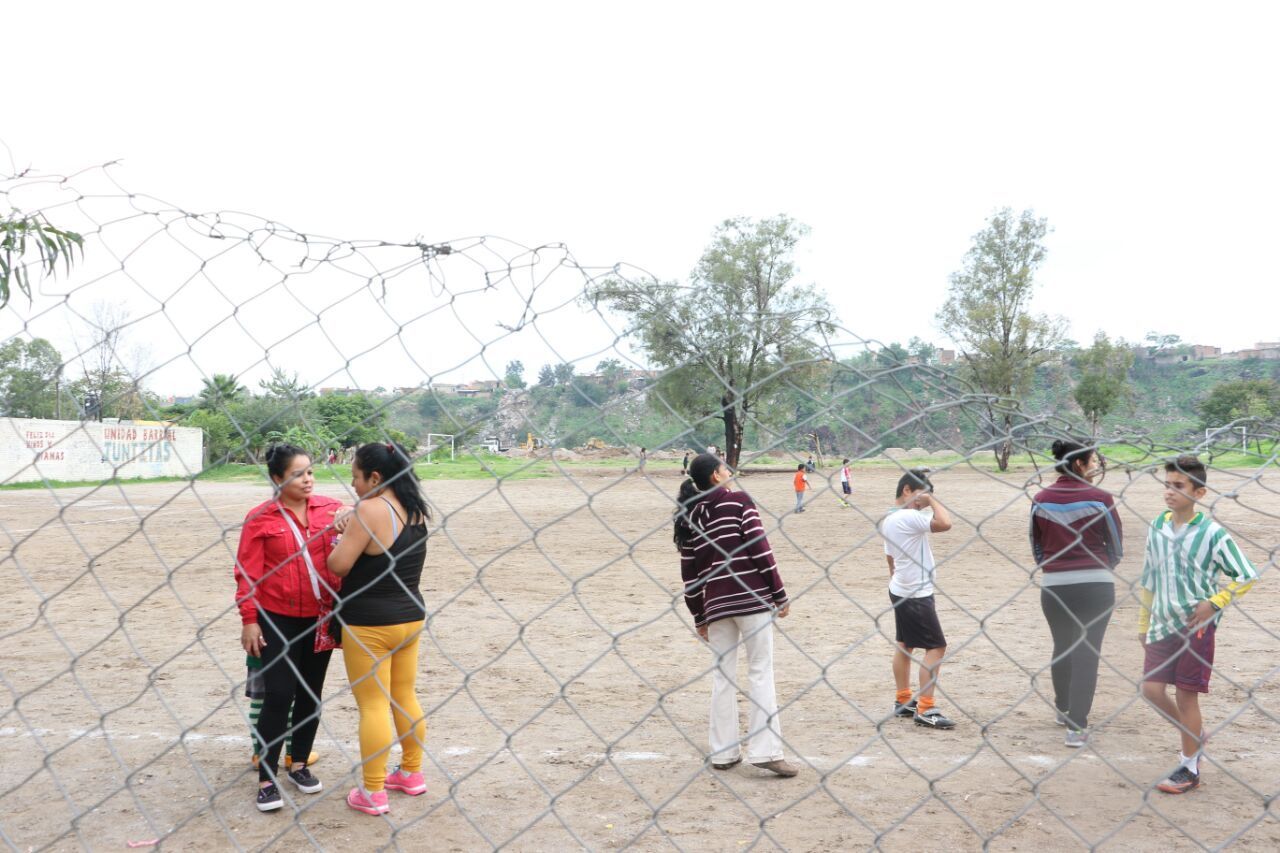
x=564 y=686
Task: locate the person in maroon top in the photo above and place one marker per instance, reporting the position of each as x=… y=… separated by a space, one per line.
x=733 y=590
x=1077 y=541
x=284 y=546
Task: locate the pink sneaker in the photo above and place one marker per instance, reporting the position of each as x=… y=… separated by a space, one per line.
x=413 y=784
x=371 y=802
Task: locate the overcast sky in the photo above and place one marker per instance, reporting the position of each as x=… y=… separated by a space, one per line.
x=1145 y=132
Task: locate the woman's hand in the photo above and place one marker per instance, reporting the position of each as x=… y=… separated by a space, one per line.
x=252 y=640
x=343 y=518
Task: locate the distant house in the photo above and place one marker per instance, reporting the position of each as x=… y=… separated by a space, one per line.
x=344 y=392
x=1201 y=351
x=444 y=387
x=946 y=356
x=1263 y=349
x=480 y=386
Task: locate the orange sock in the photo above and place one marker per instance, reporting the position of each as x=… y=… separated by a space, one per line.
x=924 y=704
x=902 y=697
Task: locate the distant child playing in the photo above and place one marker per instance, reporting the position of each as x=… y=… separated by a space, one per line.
x=1181 y=607
x=801 y=486
x=846 y=482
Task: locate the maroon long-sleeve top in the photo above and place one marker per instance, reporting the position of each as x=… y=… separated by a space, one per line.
x=728 y=566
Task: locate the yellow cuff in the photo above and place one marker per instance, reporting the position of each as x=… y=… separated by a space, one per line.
x=1145 y=597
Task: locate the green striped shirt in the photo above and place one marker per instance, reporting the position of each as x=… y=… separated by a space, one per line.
x=1181 y=569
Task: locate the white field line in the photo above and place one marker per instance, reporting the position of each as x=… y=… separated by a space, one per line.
x=816 y=761
x=53 y=522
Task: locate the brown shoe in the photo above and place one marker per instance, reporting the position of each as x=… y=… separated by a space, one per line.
x=727 y=764
x=781 y=767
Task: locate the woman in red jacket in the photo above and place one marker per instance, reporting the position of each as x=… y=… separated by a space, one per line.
x=283 y=583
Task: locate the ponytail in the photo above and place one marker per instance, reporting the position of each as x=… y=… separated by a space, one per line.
x=685 y=501
x=393 y=463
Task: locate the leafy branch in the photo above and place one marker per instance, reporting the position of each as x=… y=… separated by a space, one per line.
x=20 y=234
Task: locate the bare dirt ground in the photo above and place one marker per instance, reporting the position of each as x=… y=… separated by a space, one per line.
x=567 y=694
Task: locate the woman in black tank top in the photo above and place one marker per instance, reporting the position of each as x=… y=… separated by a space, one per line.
x=380 y=558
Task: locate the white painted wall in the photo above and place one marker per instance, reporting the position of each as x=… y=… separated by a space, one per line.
x=33 y=450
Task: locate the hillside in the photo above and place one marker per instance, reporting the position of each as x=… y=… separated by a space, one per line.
x=859 y=406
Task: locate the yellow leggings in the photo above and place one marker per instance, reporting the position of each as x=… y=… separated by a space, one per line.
x=382 y=666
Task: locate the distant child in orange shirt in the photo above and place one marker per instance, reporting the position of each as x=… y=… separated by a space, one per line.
x=802 y=486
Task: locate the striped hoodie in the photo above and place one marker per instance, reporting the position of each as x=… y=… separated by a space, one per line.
x=728 y=567
x=1076 y=535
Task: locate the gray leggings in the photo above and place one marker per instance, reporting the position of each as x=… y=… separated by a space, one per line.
x=1077 y=614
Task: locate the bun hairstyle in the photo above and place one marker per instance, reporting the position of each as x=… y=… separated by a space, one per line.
x=1067 y=452
x=279 y=456
x=697 y=483
x=393 y=464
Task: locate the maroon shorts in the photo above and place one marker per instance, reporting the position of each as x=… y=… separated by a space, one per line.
x=1184 y=660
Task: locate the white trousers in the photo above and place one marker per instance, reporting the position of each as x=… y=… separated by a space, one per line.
x=754 y=633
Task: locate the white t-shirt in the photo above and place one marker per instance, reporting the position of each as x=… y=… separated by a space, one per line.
x=844 y=474
x=906 y=539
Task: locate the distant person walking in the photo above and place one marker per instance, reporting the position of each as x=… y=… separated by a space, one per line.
x=684 y=466
x=801 y=483
x=644 y=458
x=1077 y=540
x=734 y=591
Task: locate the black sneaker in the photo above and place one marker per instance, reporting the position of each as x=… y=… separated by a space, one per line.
x=1180 y=781
x=907 y=710
x=304 y=781
x=269 y=798
x=933 y=719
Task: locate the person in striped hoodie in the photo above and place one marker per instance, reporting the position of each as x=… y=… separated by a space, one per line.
x=1077 y=540
x=1182 y=604
x=733 y=590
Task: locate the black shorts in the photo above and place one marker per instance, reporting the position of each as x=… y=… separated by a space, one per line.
x=917 y=623
x=848 y=489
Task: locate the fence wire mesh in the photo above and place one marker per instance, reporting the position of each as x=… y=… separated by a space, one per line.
x=565 y=690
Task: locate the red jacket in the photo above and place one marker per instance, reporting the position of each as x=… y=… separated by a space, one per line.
x=270 y=571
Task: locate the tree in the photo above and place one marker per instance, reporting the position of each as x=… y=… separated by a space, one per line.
x=924 y=352
x=563 y=373
x=29 y=378
x=1104 y=378
x=987 y=314
x=221 y=390
x=282 y=386
x=108 y=388
x=1243 y=398
x=514 y=374
x=892 y=355
x=1158 y=343
x=547 y=376
x=352 y=420
x=19 y=234
x=741 y=330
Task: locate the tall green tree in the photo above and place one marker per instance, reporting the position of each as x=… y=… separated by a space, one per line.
x=220 y=391
x=22 y=236
x=739 y=331
x=513 y=375
x=1104 y=378
x=29 y=378
x=988 y=315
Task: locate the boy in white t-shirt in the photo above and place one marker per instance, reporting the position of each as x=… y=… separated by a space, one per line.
x=906 y=532
x=846 y=482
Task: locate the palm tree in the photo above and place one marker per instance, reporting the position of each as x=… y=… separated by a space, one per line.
x=220 y=391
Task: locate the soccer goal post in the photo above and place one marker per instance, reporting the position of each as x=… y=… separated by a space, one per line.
x=1214 y=432
x=433 y=445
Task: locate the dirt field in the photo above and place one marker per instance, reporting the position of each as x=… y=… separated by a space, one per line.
x=568 y=695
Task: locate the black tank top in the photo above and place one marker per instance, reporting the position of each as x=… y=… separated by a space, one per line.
x=382 y=589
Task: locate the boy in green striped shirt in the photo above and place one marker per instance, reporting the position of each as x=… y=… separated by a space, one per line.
x=1181 y=607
